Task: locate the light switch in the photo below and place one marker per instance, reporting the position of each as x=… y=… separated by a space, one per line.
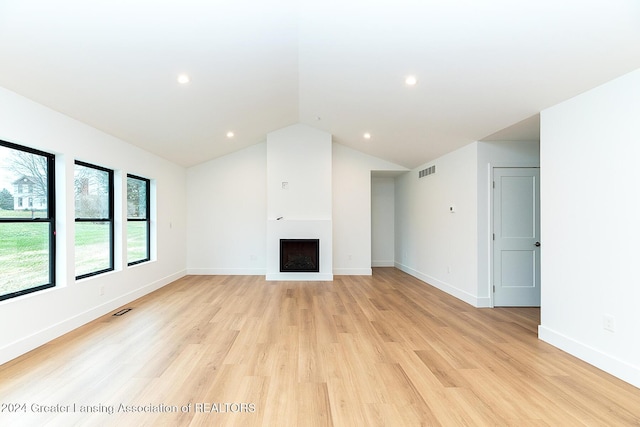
x=285 y=185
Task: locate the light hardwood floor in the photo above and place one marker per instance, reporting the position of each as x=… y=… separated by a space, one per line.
x=359 y=351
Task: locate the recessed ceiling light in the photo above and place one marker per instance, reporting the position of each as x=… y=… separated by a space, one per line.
x=183 y=79
x=411 y=80
x=230 y=134
x=367 y=135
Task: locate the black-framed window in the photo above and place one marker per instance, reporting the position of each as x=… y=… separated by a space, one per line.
x=27 y=220
x=94 y=248
x=138 y=220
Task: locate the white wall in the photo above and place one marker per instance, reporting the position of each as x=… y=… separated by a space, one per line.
x=299 y=192
x=495 y=154
x=382 y=221
x=300 y=156
x=227 y=205
x=39 y=317
x=452 y=251
x=590 y=226
x=433 y=244
x=227 y=211
x=352 y=208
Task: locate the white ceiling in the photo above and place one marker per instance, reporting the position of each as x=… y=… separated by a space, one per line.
x=256 y=66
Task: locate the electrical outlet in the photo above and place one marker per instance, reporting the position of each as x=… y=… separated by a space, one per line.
x=609 y=323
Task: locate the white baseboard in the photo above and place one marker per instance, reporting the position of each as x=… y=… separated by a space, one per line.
x=35 y=340
x=616 y=367
x=352 y=272
x=445 y=287
x=383 y=264
x=226 y=271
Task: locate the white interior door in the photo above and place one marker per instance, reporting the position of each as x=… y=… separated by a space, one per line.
x=516 y=240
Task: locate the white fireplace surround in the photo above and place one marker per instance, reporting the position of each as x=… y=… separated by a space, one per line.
x=299 y=192
x=299 y=229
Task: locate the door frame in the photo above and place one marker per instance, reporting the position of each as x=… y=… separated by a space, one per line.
x=491 y=167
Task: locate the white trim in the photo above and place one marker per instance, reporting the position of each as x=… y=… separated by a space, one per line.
x=490 y=233
x=226 y=271
x=531 y=164
x=478 y=302
x=491 y=171
x=483 y=302
x=35 y=340
x=352 y=272
x=383 y=264
x=608 y=363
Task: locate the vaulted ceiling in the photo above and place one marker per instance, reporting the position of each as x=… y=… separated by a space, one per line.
x=340 y=66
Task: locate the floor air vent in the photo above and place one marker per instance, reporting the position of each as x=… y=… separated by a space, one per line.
x=121 y=312
x=428 y=171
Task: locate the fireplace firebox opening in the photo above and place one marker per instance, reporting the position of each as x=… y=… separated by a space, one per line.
x=300 y=255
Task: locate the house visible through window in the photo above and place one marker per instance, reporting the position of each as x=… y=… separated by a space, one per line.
x=27 y=242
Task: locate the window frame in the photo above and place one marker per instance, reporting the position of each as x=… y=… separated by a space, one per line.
x=110 y=219
x=50 y=218
x=147 y=182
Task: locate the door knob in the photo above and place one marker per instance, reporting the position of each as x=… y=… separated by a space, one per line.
x=537 y=244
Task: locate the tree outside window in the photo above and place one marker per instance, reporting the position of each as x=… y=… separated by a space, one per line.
x=27 y=243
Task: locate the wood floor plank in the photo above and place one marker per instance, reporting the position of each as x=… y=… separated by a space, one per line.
x=346 y=408
x=314 y=406
x=380 y=350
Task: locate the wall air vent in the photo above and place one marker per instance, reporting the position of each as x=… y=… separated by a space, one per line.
x=428 y=171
